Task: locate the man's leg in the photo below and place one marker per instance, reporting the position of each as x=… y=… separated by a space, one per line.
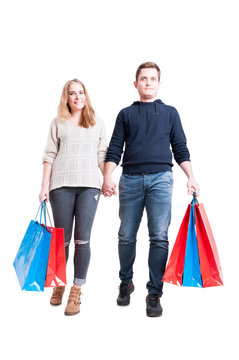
x=131 y=198
x=158 y=207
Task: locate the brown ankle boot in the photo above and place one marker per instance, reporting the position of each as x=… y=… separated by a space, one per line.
x=56 y=298
x=73 y=304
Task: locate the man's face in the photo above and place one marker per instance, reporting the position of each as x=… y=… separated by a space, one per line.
x=147 y=84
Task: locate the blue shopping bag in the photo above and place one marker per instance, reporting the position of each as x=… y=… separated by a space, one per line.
x=191 y=271
x=32 y=257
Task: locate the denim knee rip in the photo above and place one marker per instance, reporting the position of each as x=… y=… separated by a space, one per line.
x=81 y=242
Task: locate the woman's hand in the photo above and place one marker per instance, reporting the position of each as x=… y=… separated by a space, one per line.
x=44 y=195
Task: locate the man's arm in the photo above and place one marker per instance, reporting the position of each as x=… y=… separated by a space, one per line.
x=192 y=185
x=181 y=153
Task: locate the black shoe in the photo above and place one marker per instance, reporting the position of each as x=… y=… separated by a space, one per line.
x=124 y=293
x=153 y=305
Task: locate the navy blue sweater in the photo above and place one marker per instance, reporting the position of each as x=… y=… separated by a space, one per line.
x=147 y=129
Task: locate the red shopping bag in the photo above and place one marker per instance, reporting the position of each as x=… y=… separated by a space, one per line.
x=174 y=269
x=208 y=255
x=56 y=268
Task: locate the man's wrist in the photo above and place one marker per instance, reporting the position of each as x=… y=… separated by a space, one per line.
x=107 y=177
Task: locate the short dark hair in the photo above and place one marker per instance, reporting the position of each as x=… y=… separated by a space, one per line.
x=147 y=65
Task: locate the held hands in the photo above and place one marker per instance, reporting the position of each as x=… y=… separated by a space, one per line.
x=192 y=186
x=108 y=187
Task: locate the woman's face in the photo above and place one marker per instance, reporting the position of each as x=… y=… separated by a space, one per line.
x=76 y=97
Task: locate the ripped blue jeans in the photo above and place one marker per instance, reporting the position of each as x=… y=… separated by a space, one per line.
x=79 y=204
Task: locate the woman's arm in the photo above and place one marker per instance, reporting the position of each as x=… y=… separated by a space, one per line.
x=109 y=187
x=102 y=167
x=44 y=194
x=48 y=159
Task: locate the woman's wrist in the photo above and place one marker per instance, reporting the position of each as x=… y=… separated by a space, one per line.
x=44 y=187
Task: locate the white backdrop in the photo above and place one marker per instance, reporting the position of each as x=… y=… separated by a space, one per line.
x=46 y=43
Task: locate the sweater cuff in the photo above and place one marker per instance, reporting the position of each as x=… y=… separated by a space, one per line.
x=182 y=160
x=46 y=159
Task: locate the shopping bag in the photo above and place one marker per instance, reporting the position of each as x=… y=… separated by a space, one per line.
x=191 y=271
x=31 y=260
x=56 y=268
x=174 y=269
x=208 y=255
x=199 y=263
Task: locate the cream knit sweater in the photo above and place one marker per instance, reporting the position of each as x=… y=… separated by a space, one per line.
x=75 y=153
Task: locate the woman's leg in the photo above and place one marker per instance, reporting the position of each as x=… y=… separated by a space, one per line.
x=87 y=200
x=63 y=204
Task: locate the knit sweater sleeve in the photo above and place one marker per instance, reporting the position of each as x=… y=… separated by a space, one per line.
x=178 y=139
x=102 y=147
x=52 y=144
x=117 y=140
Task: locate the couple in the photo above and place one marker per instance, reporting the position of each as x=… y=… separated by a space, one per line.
x=77 y=146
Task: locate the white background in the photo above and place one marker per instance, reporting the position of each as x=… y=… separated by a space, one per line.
x=43 y=45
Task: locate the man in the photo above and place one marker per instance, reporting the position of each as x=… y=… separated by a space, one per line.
x=147 y=129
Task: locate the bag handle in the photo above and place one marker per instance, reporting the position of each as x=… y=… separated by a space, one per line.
x=40 y=207
x=194 y=200
x=43 y=209
x=46 y=209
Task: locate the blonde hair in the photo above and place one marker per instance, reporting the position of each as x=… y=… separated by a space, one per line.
x=64 y=111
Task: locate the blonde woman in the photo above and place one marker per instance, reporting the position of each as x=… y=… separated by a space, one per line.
x=75 y=148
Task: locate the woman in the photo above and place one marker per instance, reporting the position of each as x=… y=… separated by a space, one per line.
x=76 y=147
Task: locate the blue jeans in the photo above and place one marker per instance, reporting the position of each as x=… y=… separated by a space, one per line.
x=152 y=192
x=79 y=204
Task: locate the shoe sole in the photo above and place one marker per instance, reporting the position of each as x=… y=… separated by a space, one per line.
x=128 y=301
x=55 y=304
x=71 y=314
x=151 y=314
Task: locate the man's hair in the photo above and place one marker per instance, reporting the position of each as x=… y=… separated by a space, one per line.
x=147 y=65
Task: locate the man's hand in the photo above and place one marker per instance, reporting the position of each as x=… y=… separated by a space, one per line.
x=192 y=186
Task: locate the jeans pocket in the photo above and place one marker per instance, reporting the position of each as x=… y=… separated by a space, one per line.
x=121 y=180
x=169 y=177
